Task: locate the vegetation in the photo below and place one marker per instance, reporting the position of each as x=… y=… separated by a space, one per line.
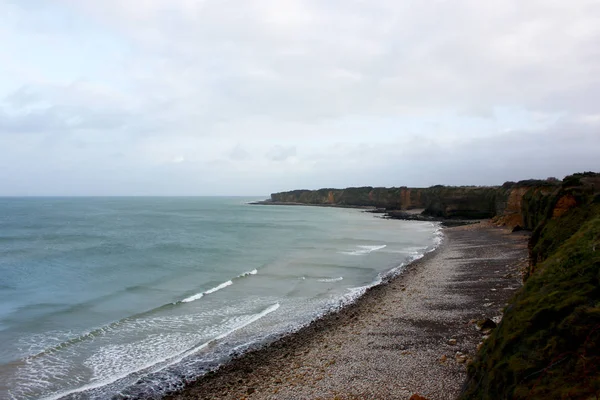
x=548 y=343
x=438 y=201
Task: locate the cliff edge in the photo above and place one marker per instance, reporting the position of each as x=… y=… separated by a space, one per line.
x=466 y=202
x=548 y=343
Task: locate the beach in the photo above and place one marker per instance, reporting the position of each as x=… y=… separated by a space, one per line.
x=413 y=334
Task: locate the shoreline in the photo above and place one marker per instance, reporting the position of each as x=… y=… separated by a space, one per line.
x=399 y=338
x=411 y=214
x=287 y=203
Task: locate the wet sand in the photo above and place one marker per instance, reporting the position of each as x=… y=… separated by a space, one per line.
x=414 y=334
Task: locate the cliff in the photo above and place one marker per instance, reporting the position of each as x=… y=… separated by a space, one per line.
x=470 y=202
x=548 y=343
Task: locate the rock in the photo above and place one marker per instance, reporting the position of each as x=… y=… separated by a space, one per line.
x=417 y=397
x=452 y=342
x=517 y=228
x=485 y=324
x=461 y=358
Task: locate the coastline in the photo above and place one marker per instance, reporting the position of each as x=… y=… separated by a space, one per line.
x=399 y=338
x=288 y=203
x=413 y=214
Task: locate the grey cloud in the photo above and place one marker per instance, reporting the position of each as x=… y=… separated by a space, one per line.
x=238 y=153
x=369 y=93
x=458 y=54
x=60 y=119
x=308 y=60
x=46 y=109
x=281 y=153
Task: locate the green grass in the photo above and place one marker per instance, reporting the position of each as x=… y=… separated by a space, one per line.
x=548 y=344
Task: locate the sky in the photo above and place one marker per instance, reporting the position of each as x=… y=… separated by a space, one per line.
x=249 y=97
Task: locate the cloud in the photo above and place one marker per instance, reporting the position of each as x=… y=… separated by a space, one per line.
x=280 y=153
x=239 y=153
x=334 y=93
x=306 y=59
x=62 y=108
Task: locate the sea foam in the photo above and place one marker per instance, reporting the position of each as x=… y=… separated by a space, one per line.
x=166 y=361
x=209 y=291
x=331 y=279
x=364 y=250
x=253 y=272
x=223 y=285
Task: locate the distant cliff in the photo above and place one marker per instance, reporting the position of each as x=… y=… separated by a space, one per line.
x=437 y=201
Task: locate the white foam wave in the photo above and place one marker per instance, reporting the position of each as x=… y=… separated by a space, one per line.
x=355 y=293
x=363 y=250
x=193 y=298
x=438 y=236
x=170 y=360
x=209 y=291
x=331 y=279
x=253 y=272
x=221 y=286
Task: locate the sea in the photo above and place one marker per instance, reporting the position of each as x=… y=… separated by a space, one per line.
x=131 y=297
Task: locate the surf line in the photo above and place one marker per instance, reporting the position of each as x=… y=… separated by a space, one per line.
x=169 y=360
x=217 y=288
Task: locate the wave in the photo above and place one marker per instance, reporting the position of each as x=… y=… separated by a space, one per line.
x=364 y=250
x=253 y=272
x=167 y=361
x=331 y=279
x=209 y=291
x=90 y=335
x=438 y=235
x=217 y=288
x=221 y=286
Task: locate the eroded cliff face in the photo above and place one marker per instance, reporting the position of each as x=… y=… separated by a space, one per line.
x=509 y=212
x=438 y=201
x=525 y=204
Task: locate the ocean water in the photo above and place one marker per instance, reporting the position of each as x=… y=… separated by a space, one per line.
x=130 y=297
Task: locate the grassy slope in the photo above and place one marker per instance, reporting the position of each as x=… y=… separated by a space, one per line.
x=548 y=344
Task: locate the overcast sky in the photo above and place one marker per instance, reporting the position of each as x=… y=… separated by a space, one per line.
x=247 y=97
